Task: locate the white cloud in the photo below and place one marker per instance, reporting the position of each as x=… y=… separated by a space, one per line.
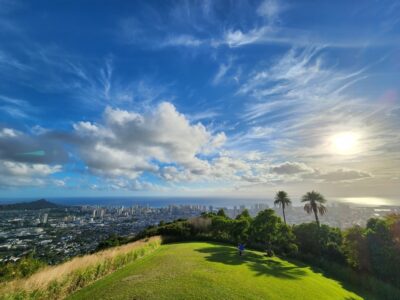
x=236 y=38
x=14 y=174
x=217 y=141
x=59 y=183
x=23 y=169
x=343 y=175
x=8 y=132
x=301 y=171
x=220 y=169
x=290 y=168
x=130 y=185
x=128 y=143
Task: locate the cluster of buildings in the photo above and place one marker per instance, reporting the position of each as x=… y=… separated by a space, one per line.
x=57 y=234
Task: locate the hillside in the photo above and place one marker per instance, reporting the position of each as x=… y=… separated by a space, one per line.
x=56 y=282
x=38 y=204
x=213 y=271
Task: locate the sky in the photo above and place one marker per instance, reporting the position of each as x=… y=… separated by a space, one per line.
x=200 y=98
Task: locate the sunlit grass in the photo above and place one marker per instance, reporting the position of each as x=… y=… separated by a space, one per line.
x=213 y=271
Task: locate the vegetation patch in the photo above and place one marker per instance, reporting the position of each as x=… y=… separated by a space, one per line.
x=59 y=281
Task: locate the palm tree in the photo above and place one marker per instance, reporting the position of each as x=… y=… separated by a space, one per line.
x=315 y=204
x=282 y=199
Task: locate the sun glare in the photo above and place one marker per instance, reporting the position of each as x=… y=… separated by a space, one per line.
x=345 y=143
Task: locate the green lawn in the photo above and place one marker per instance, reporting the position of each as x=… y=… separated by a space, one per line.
x=213 y=271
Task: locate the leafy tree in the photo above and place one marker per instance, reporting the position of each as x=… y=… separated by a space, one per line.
x=319 y=241
x=208 y=214
x=314 y=204
x=383 y=255
x=282 y=200
x=307 y=238
x=220 y=227
x=221 y=213
x=285 y=240
x=375 y=249
x=240 y=229
x=264 y=229
x=244 y=214
x=180 y=229
x=355 y=248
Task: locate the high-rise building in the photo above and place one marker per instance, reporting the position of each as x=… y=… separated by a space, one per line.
x=235 y=211
x=44 y=218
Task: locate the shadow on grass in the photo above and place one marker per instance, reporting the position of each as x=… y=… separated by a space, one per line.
x=257 y=262
x=360 y=291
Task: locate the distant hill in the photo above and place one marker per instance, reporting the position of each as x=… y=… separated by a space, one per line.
x=38 y=204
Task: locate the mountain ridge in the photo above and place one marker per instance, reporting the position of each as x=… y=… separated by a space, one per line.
x=33 y=205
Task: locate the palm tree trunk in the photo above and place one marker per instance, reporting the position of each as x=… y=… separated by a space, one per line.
x=284 y=217
x=316 y=216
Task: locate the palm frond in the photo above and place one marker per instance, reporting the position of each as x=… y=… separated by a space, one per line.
x=305 y=198
x=277 y=202
x=308 y=208
x=287 y=201
x=321 y=209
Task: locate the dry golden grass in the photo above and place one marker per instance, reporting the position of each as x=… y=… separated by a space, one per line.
x=43 y=278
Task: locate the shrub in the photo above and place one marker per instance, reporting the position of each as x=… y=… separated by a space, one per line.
x=76 y=275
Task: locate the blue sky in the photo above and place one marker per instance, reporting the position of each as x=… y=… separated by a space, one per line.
x=204 y=98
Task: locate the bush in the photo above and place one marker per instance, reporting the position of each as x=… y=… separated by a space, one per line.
x=23 y=268
x=323 y=241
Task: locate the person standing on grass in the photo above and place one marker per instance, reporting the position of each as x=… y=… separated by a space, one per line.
x=241 y=249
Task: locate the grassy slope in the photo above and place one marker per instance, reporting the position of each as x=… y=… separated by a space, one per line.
x=54 y=282
x=212 y=271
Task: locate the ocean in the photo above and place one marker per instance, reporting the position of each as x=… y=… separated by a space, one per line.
x=150 y=201
x=227 y=202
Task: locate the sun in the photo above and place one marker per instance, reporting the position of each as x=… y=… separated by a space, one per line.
x=345 y=143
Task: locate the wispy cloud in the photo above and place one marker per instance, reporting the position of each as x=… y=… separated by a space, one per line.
x=203 y=115
x=92 y=83
x=9 y=62
x=270 y=9
x=200 y=24
x=306 y=102
x=17 y=108
x=183 y=40
x=222 y=71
